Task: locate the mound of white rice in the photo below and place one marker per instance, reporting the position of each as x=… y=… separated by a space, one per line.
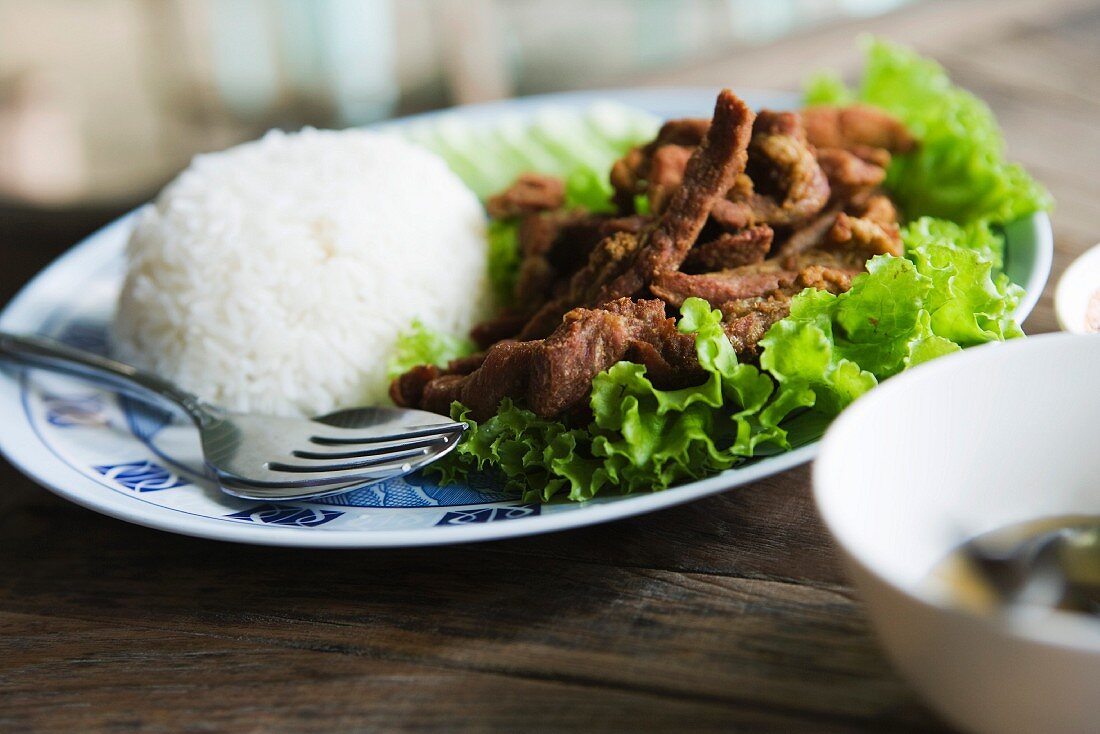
x=275 y=276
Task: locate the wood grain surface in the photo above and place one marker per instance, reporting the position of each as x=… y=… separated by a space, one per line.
x=727 y=614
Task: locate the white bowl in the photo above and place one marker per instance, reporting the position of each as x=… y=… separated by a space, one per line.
x=970 y=443
x=1076 y=287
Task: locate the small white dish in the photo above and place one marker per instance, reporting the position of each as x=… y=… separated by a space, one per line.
x=1079 y=284
x=975 y=442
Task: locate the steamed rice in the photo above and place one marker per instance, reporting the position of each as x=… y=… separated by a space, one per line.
x=275 y=276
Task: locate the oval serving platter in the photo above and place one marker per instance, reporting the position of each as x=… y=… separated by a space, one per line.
x=139 y=464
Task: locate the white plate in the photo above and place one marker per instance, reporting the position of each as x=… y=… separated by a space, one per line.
x=126 y=461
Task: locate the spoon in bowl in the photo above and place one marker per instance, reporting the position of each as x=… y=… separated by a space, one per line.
x=1056 y=569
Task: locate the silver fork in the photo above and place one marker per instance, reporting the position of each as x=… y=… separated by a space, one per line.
x=270 y=457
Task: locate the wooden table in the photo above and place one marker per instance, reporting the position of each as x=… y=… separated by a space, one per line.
x=727 y=613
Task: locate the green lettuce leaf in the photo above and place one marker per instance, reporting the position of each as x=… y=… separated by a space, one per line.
x=588 y=188
x=504 y=259
x=978 y=236
x=651 y=438
x=959 y=171
x=943 y=296
x=537 y=458
x=827 y=88
x=967 y=303
x=419 y=345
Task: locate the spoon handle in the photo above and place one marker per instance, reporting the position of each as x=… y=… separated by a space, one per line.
x=53 y=355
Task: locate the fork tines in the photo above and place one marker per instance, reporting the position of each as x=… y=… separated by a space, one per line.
x=362 y=464
x=374 y=451
x=435 y=430
x=400 y=447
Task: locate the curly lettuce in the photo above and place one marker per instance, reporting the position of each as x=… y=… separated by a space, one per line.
x=981 y=237
x=943 y=296
x=959 y=171
x=419 y=345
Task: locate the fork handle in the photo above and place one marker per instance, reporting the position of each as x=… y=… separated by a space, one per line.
x=53 y=355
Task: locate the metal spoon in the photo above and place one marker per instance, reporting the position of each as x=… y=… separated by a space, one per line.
x=1058 y=569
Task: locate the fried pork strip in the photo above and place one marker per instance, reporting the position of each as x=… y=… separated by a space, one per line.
x=856 y=126
x=850 y=175
x=747 y=320
x=532 y=192
x=619 y=267
x=731 y=250
x=657 y=168
x=769 y=278
x=784 y=184
x=553 y=246
x=554 y=374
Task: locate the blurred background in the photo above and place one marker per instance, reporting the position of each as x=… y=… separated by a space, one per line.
x=103 y=101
